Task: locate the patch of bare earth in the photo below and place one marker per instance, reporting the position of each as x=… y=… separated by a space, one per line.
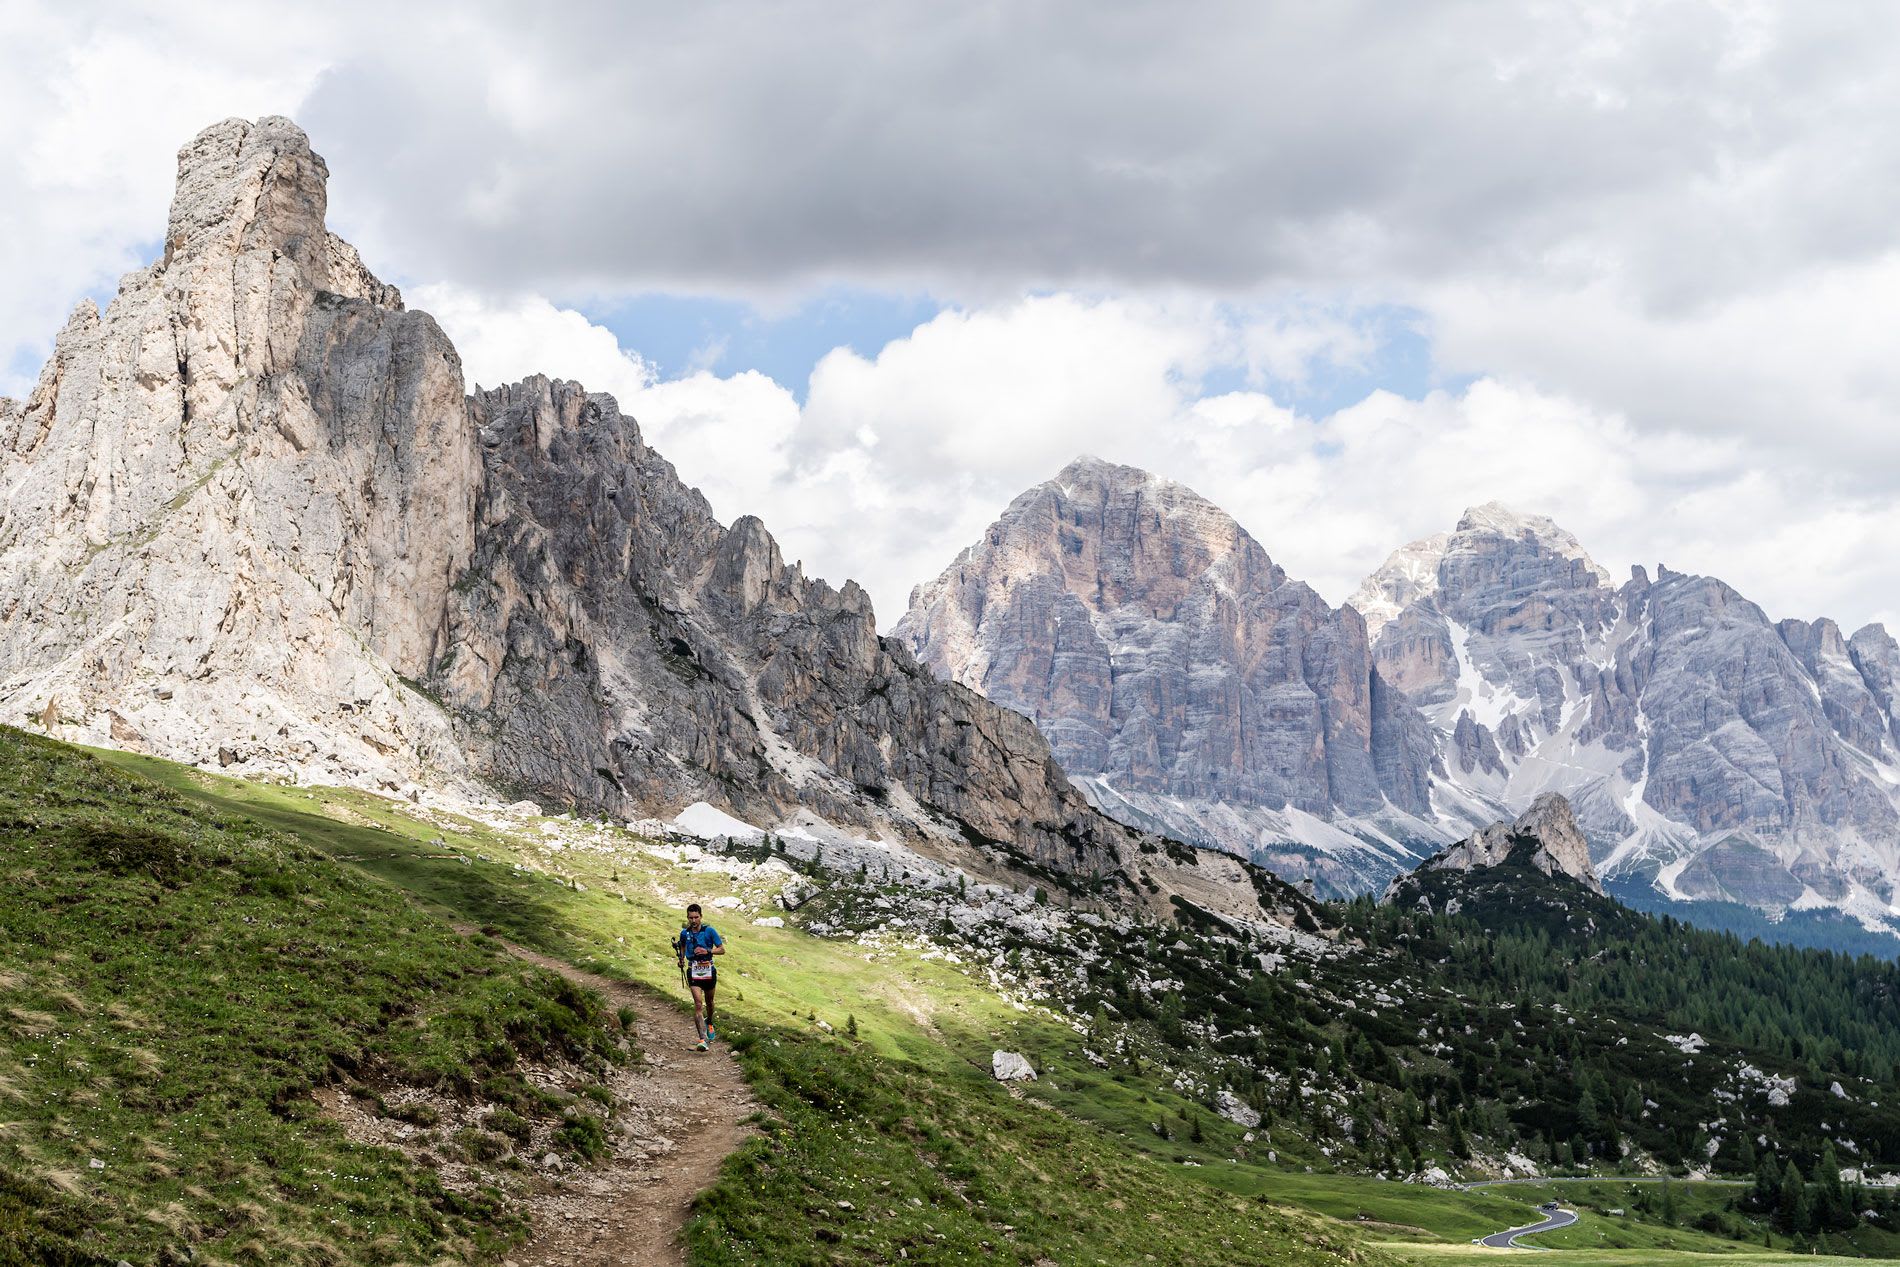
x=676 y=1114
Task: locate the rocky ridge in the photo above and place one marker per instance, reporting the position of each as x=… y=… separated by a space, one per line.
x=1183 y=678
x=1708 y=751
x=1189 y=686
x=250 y=518
x=232 y=508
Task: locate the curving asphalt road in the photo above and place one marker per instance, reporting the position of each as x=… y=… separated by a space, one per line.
x=1508 y=1240
x=1546 y=1179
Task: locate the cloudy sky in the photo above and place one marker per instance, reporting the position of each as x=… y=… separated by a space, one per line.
x=869 y=270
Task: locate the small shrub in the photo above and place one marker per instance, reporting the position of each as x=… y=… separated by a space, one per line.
x=582 y=1134
x=478 y=1145
x=417 y=1114
x=509 y=1123
x=127 y=849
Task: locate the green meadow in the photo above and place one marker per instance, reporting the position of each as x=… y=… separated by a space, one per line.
x=187 y=957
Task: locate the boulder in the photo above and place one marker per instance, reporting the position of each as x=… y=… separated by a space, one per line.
x=1009 y=1066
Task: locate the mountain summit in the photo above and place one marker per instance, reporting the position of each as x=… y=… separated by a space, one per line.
x=1188 y=684
x=249 y=516
x=232 y=511
x=1709 y=751
x=1183 y=677
x=1412 y=571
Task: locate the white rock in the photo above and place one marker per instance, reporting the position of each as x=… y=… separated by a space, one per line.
x=1009 y=1066
x=770 y=921
x=1235 y=1110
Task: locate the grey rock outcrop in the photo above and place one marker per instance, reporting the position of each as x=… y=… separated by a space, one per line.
x=1545 y=837
x=250 y=518
x=612 y=644
x=231 y=510
x=1183 y=677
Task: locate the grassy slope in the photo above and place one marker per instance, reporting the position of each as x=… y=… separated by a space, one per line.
x=901 y=1122
x=168 y=999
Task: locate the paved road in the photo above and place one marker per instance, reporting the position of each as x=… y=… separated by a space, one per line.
x=1505 y=1183
x=1508 y=1240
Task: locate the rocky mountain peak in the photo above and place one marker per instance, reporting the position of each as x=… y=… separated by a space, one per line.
x=235 y=503
x=257 y=191
x=1086 y=468
x=1181 y=675
x=1496 y=519
x=1492 y=547
x=1409 y=575
x=1544 y=837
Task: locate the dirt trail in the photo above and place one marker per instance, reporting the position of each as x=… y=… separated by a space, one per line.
x=687 y=1111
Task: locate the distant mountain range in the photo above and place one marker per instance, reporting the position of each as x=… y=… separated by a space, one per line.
x=1190 y=685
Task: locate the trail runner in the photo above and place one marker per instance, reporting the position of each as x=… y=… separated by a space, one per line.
x=696 y=946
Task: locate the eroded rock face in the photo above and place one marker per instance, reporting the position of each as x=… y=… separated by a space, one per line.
x=1703 y=746
x=1738 y=869
x=249 y=517
x=615 y=645
x=1177 y=669
x=231 y=510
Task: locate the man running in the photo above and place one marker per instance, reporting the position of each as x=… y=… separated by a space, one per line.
x=697 y=945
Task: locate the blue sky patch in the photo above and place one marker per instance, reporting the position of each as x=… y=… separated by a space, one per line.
x=681 y=334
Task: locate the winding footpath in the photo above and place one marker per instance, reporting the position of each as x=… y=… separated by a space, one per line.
x=690 y=1111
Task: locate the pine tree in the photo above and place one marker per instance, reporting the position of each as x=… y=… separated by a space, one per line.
x=1767 y=1191
x=1791 y=1206
x=1460 y=1147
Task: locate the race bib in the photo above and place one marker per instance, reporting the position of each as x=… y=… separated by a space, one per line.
x=702 y=972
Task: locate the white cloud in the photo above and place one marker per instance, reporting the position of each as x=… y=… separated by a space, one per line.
x=96 y=111
x=504 y=340
x=899 y=460
x=728 y=436
x=1805 y=365
x=1663 y=232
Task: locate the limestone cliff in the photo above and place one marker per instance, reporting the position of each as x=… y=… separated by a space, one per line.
x=1184 y=677
x=231 y=510
x=249 y=517
x=1708 y=751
